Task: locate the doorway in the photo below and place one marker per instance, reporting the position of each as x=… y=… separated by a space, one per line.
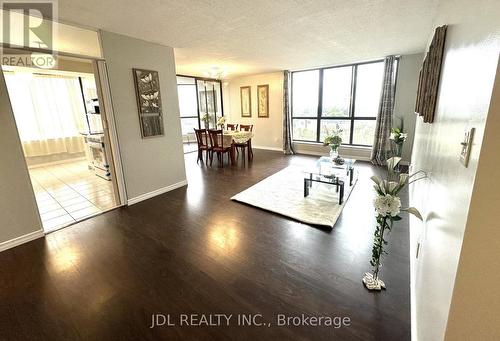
x=65 y=143
x=200 y=106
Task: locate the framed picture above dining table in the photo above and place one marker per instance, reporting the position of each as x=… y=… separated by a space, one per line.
x=263 y=100
x=246 y=101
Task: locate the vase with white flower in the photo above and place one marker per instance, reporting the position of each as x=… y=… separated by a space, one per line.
x=398 y=138
x=333 y=140
x=387 y=208
x=221 y=122
x=206 y=120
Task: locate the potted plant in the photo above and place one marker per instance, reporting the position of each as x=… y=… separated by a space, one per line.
x=206 y=119
x=221 y=121
x=333 y=140
x=398 y=138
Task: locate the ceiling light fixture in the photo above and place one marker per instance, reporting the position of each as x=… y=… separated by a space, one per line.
x=216 y=72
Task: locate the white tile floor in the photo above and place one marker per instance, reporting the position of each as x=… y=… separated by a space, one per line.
x=69 y=192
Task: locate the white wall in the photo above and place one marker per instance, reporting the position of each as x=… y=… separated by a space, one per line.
x=18 y=211
x=469 y=65
x=474 y=313
x=156 y=163
x=268 y=131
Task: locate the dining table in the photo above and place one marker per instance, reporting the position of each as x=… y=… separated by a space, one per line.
x=235 y=137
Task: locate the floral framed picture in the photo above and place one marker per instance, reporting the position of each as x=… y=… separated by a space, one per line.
x=246 y=101
x=263 y=100
x=147 y=84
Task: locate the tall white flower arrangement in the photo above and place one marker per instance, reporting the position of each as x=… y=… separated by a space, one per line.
x=387 y=208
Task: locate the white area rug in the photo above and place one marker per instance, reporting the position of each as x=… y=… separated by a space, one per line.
x=283 y=193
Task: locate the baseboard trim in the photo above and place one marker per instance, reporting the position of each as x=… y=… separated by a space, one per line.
x=21 y=240
x=268 y=148
x=154 y=193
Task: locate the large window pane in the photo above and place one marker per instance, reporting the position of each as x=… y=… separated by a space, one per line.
x=368 y=89
x=305 y=89
x=185 y=80
x=188 y=125
x=327 y=126
x=337 y=91
x=187 y=100
x=304 y=129
x=354 y=106
x=363 y=132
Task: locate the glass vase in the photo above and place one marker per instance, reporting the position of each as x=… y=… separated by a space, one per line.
x=398 y=149
x=334 y=153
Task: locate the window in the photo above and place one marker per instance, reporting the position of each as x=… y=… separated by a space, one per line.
x=188 y=107
x=197 y=97
x=346 y=95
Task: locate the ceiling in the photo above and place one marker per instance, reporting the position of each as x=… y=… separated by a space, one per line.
x=244 y=37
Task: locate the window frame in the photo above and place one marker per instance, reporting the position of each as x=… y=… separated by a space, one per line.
x=196 y=79
x=197 y=110
x=351 y=118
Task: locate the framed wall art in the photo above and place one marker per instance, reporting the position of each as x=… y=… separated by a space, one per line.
x=147 y=84
x=246 y=101
x=428 y=81
x=263 y=100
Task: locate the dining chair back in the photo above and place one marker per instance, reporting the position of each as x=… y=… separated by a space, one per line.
x=231 y=126
x=246 y=127
x=216 y=138
x=202 y=140
x=247 y=144
x=201 y=137
x=217 y=146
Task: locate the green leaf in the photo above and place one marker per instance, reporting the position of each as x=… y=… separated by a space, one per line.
x=414 y=211
x=403 y=178
x=376 y=180
x=396 y=218
x=392 y=186
x=391 y=163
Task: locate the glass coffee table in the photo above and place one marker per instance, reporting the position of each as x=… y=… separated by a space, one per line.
x=328 y=172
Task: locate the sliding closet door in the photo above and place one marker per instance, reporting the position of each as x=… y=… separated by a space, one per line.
x=109 y=128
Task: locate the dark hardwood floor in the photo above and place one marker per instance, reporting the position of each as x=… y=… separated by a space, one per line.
x=193 y=251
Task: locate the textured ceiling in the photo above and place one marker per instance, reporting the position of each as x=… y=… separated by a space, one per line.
x=254 y=36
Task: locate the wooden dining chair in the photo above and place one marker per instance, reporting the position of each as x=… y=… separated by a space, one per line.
x=203 y=144
x=217 y=145
x=231 y=126
x=246 y=127
x=247 y=145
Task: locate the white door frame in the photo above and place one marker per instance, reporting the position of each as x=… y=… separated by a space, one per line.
x=109 y=125
x=108 y=118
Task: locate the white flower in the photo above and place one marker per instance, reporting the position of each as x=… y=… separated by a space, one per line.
x=221 y=121
x=392 y=137
x=387 y=205
x=403 y=136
